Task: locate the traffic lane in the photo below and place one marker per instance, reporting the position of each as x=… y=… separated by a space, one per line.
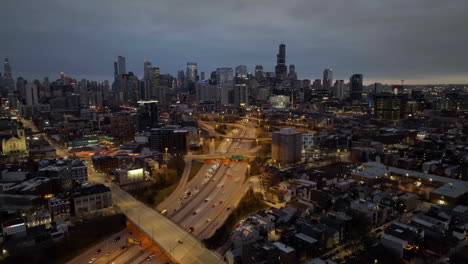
x=223 y=189
x=179 y=189
x=112 y=249
x=224 y=192
x=90 y=253
x=214 y=199
x=233 y=194
x=200 y=197
x=129 y=253
x=188 y=188
x=173 y=202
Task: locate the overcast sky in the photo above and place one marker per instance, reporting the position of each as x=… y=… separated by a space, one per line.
x=420 y=41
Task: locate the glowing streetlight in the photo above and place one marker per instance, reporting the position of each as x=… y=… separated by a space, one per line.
x=166 y=149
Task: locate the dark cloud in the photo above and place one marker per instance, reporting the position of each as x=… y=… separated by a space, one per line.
x=417 y=40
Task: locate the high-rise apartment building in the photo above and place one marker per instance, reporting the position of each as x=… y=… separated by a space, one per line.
x=122 y=65
x=317 y=84
x=206 y=92
x=122 y=126
x=171 y=137
x=116 y=71
x=292 y=72
x=355 y=83
x=7 y=69
x=224 y=75
x=192 y=71
x=241 y=71
x=241 y=92
x=259 y=71
x=31 y=94
x=286 y=146
x=147 y=71
x=281 y=71
x=148 y=115
x=6 y=82
x=155 y=73
x=339 y=89
x=390 y=107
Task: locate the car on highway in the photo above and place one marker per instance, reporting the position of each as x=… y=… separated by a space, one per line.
x=150 y=257
x=92 y=260
x=194 y=213
x=206 y=200
x=180 y=242
x=191 y=229
x=164 y=212
x=229 y=208
x=117 y=238
x=97 y=251
x=123 y=247
x=208 y=220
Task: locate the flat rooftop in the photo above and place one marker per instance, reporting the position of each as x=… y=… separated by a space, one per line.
x=283 y=247
x=451 y=187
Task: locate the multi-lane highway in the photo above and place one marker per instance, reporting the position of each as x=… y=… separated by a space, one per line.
x=201 y=205
x=115 y=249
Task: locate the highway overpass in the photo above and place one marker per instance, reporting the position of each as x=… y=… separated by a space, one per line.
x=178 y=243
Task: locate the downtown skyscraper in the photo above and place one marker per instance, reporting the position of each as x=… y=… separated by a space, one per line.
x=192 y=71
x=327 y=79
x=122 y=65
x=355 y=83
x=281 y=70
x=6 y=82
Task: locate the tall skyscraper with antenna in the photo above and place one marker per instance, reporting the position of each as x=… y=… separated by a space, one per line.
x=281 y=70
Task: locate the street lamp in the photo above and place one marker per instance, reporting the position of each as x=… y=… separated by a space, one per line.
x=166 y=149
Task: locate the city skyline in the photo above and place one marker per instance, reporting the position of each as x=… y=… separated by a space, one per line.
x=169 y=35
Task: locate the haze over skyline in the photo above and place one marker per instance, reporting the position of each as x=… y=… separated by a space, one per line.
x=421 y=41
